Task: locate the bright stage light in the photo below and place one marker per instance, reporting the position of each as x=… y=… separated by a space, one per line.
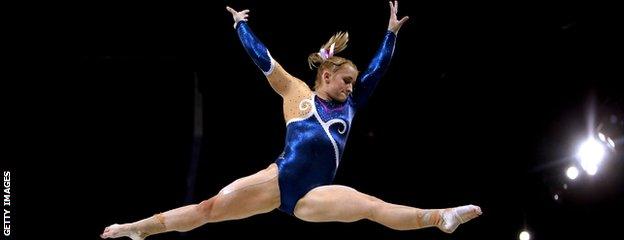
x=524 y=235
x=590 y=155
x=572 y=172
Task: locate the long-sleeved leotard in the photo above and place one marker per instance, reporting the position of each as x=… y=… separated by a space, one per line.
x=315 y=141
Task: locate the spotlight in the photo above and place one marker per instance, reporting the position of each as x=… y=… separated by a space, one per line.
x=524 y=235
x=590 y=155
x=572 y=172
x=602 y=137
x=611 y=143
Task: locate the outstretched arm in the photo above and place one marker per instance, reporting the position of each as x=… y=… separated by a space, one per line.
x=368 y=80
x=278 y=78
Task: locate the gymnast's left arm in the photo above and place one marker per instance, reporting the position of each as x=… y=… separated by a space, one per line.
x=368 y=80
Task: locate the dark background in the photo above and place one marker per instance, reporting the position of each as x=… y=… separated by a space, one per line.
x=484 y=103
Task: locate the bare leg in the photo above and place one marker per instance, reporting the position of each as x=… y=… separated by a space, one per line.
x=345 y=204
x=245 y=197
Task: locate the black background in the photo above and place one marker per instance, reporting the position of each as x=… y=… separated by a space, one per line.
x=484 y=103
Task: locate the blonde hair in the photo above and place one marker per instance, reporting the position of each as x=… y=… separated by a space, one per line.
x=339 y=40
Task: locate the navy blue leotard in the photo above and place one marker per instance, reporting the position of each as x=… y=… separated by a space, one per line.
x=315 y=143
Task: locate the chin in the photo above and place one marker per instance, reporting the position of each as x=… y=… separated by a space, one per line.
x=341 y=99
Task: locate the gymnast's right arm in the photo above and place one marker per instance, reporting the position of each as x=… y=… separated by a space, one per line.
x=278 y=78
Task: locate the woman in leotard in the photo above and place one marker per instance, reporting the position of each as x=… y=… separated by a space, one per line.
x=318 y=121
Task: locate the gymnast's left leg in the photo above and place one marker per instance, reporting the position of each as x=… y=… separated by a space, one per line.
x=345 y=204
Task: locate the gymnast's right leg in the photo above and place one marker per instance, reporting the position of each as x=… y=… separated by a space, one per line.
x=245 y=197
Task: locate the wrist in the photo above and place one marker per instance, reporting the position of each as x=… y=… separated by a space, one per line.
x=395 y=31
x=238 y=23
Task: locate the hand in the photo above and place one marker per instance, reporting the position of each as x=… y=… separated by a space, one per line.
x=238 y=16
x=394 y=25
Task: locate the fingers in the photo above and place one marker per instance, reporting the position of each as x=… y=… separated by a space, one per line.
x=403 y=20
x=232 y=11
x=394 y=7
x=229 y=9
x=244 y=14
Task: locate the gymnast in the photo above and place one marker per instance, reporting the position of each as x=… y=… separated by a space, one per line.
x=318 y=121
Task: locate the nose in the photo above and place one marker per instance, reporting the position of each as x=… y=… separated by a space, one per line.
x=349 y=88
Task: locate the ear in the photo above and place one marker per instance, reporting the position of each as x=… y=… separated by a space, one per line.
x=326 y=76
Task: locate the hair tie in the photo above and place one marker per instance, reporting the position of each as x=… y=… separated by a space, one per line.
x=327 y=53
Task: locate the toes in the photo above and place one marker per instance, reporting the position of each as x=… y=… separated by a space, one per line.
x=109 y=231
x=466 y=213
x=107 y=234
x=476 y=210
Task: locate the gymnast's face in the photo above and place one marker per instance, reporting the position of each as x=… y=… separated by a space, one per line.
x=338 y=85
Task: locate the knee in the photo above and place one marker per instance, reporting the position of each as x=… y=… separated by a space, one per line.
x=372 y=208
x=208 y=210
x=307 y=211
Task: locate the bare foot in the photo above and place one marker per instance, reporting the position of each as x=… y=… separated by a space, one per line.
x=453 y=217
x=121 y=230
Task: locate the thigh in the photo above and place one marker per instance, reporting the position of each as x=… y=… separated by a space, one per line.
x=247 y=196
x=245 y=183
x=335 y=203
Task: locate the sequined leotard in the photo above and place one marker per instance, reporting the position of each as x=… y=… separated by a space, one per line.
x=314 y=143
